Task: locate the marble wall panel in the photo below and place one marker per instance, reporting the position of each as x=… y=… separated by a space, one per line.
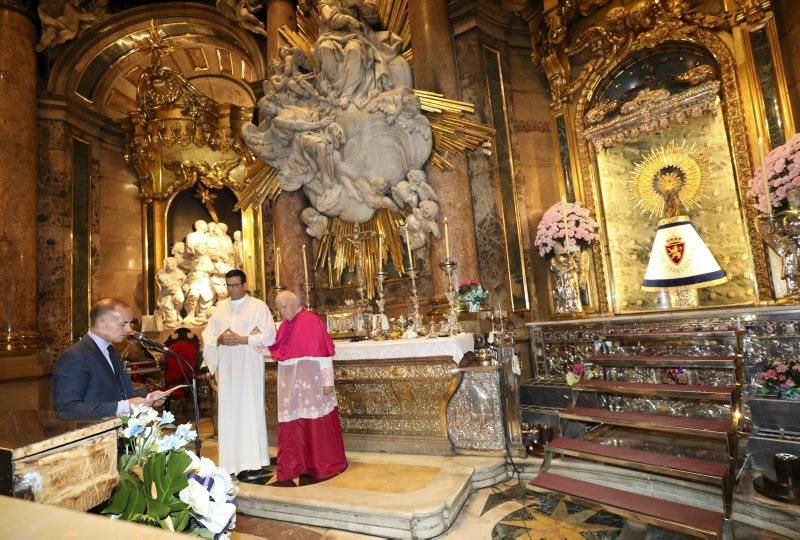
x=54 y=238
x=119 y=232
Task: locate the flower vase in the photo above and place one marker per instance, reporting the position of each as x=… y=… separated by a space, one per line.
x=566 y=269
x=781 y=232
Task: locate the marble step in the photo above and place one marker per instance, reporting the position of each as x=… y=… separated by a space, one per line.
x=666 y=514
x=680 y=467
x=685 y=391
x=711 y=361
x=713 y=429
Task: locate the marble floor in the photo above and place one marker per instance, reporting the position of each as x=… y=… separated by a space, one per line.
x=501 y=511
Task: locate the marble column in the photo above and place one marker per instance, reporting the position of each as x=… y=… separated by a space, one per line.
x=290 y=233
x=18 y=165
x=435 y=70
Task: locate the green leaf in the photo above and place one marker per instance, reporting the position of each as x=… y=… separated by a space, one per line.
x=157 y=509
x=180 y=519
x=119 y=501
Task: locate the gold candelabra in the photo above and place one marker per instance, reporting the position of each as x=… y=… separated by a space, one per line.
x=452 y=326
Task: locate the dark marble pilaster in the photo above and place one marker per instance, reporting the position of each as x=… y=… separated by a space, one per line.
x=18 y=140
x=435 y=70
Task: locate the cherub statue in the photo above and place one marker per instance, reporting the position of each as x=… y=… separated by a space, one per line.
x=170 y=300
x=427 y=213
x=403 y=194
x=373 y=193
x=289 y=76
x=65 y=20
x=316 y=223
x=418 y=182
x=417 y=234
x=243 y=12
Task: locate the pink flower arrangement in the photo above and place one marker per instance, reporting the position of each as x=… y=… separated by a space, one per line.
x=581 y=230
x=781 y=376
x=783 y=172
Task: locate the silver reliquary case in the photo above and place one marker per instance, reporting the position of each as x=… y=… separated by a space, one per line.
x=348 y=322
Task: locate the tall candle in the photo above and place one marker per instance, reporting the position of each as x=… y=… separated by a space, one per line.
x=380 y=252
x=277 y=267
x=764 y=175
x=305 y=264
x=408 y=244
x=446 y=240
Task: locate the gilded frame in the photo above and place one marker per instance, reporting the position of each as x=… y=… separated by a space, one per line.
x=734 y=121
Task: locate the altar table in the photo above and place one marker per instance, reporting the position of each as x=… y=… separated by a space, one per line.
x=392 y=394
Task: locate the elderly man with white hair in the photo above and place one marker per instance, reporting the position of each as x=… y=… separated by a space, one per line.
x=309 y=433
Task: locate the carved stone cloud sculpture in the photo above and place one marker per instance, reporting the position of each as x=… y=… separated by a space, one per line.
x=349 y=130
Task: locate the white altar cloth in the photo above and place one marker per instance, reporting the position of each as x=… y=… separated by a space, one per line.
x=453 y=346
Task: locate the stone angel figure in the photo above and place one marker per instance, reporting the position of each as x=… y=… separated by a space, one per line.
x=243 y=12
x=63 y=20
x=418 y=182
x=171 y=298
x=316 y=223
x=292 y=73
x=426 y=214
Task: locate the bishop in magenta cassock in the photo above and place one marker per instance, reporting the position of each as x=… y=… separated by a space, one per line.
x=309 y=434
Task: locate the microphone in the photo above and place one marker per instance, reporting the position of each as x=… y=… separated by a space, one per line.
x=153 y=344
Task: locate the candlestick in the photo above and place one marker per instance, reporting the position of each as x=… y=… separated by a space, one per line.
x=277 y=267
x=446 y=241
x=305 y=264
x=408 y=245
x=764 y=174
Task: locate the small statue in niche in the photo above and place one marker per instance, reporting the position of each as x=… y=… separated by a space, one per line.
x=225 y=243
x=243 y=12
x=170 y=300
x=238 y=251
x=199 y=292
x=184 y=259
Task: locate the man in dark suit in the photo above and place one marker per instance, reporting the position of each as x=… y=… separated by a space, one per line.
x=88 y=379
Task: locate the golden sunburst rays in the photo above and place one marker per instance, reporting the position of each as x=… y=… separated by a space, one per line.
x=336 y=254
x=669 y=178
x=451 y=131
x=261 y=183
x=559 y=524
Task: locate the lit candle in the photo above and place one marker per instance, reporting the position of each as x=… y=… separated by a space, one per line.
x=446 y=241
x=305 y=264
x=380 y=252
x=408 y=243
x=566 y=225
x=277 y=267
x=764 y=175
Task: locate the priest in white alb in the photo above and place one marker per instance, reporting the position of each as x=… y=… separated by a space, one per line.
x=239 y=326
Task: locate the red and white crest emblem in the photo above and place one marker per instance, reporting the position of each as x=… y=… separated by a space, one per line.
x=675 y=248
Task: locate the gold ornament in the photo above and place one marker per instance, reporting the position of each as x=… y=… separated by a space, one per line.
x=669 y=179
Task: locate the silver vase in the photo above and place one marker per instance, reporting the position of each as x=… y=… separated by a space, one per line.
x=781 y=232
x=566 y=270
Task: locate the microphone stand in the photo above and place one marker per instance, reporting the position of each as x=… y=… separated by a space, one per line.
x=181 y=362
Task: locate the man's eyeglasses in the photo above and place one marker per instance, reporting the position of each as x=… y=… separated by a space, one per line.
x=233 y=285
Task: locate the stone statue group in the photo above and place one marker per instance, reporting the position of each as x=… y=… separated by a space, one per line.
x=193 y=277
x=345 y=125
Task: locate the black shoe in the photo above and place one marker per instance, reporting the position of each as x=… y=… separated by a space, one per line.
x=252 y=476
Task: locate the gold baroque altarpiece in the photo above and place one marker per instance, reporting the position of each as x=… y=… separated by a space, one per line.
x=179 y=139
x=611 y=39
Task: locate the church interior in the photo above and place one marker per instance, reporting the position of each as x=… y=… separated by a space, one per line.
x=552 y=240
